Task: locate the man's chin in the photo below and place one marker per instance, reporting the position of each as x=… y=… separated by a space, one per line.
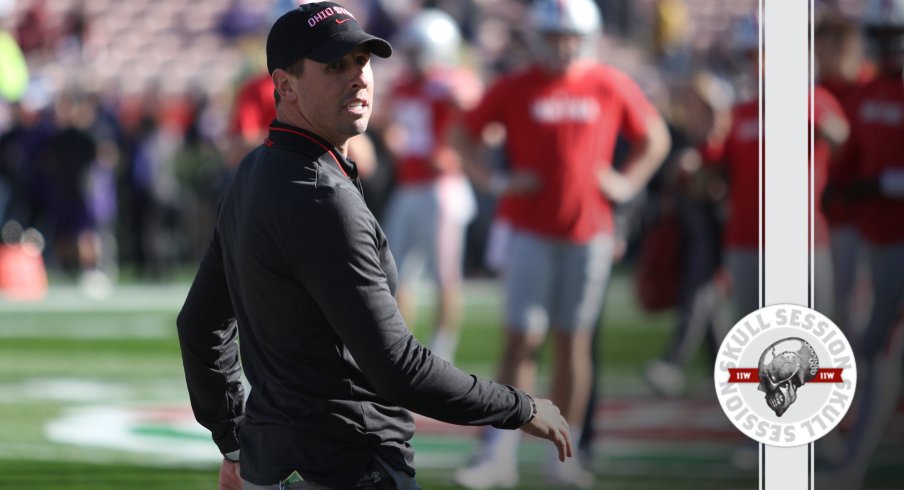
x=356 y=127
x=360 y=128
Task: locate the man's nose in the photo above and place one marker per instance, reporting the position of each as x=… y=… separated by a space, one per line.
x=360 y=79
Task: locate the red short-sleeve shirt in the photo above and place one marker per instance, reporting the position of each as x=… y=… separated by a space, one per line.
x=563 y=129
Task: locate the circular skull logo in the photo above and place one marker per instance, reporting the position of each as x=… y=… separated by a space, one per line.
x=763 y=365
x=785 y=366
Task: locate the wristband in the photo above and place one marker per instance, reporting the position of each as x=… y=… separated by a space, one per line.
x=533 y=407
x=232 y=456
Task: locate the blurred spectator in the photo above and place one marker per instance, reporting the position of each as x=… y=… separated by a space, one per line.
x=73 y=40
x=670 y=34
x=21 y=146
x=151 y=191
x=240 y=19
x=432 y=202
x=34 y=31
x=690 y=202
x=67 y=161
x=200 y=172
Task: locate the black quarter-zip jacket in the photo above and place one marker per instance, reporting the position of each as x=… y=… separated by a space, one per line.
x=299 y=272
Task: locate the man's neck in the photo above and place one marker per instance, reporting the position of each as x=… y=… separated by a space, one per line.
x=299 y=121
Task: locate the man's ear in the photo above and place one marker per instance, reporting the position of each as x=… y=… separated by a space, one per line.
x=283 y=82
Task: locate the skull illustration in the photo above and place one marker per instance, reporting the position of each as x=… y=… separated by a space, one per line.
x=784 y=367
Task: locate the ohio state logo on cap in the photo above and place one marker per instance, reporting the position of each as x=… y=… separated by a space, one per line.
x=785 y=375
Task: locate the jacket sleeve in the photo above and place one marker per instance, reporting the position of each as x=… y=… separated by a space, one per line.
x=210 y=355
x=339 y=265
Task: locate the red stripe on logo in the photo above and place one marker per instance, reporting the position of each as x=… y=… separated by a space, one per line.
x=752 y=375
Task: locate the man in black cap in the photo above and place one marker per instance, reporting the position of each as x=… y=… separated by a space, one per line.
x=299 y=270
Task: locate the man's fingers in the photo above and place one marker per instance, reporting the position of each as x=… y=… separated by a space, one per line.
x=562 y=439
x=568 y=444
x=567 y=433
x=561 y=443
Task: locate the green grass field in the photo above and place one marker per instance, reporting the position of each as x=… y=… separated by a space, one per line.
x=92 y=397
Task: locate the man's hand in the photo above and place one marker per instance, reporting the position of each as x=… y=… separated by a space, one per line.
x=551 y=425
x=230 y=476
x=616 y=186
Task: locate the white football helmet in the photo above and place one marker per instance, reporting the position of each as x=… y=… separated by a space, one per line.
x=563 y=17
x=432 y=37
x=566 y=16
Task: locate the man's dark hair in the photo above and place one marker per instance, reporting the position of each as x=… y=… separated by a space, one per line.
x=294 y=69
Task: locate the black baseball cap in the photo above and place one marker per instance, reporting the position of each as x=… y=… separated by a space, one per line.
x=321 y=31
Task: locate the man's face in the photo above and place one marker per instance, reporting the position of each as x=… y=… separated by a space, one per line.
x=336 y=98
x=838 y=57
x=560 y=50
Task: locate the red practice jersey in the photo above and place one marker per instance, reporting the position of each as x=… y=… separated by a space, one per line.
x=425 y=108
x=254 y=109
x=843 y=89
x=740 y=154
x=563 y=130
x=876 y=144
x=844 y=92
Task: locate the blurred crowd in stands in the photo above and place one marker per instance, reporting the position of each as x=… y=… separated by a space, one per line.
x=126 y=131
x=119 y=143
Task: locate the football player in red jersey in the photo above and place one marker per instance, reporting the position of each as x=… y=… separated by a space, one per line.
x=561 y=116
x=739 y=157
x=842 y=70
x=692 y=198
x=432 y=202
x=872 y=167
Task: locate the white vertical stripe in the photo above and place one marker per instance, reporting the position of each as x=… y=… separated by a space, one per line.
x=785 y=246
x=786 y=168
x=787 y=468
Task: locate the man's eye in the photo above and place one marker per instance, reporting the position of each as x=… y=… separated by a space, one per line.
x=334 y=65
x=362 y=60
